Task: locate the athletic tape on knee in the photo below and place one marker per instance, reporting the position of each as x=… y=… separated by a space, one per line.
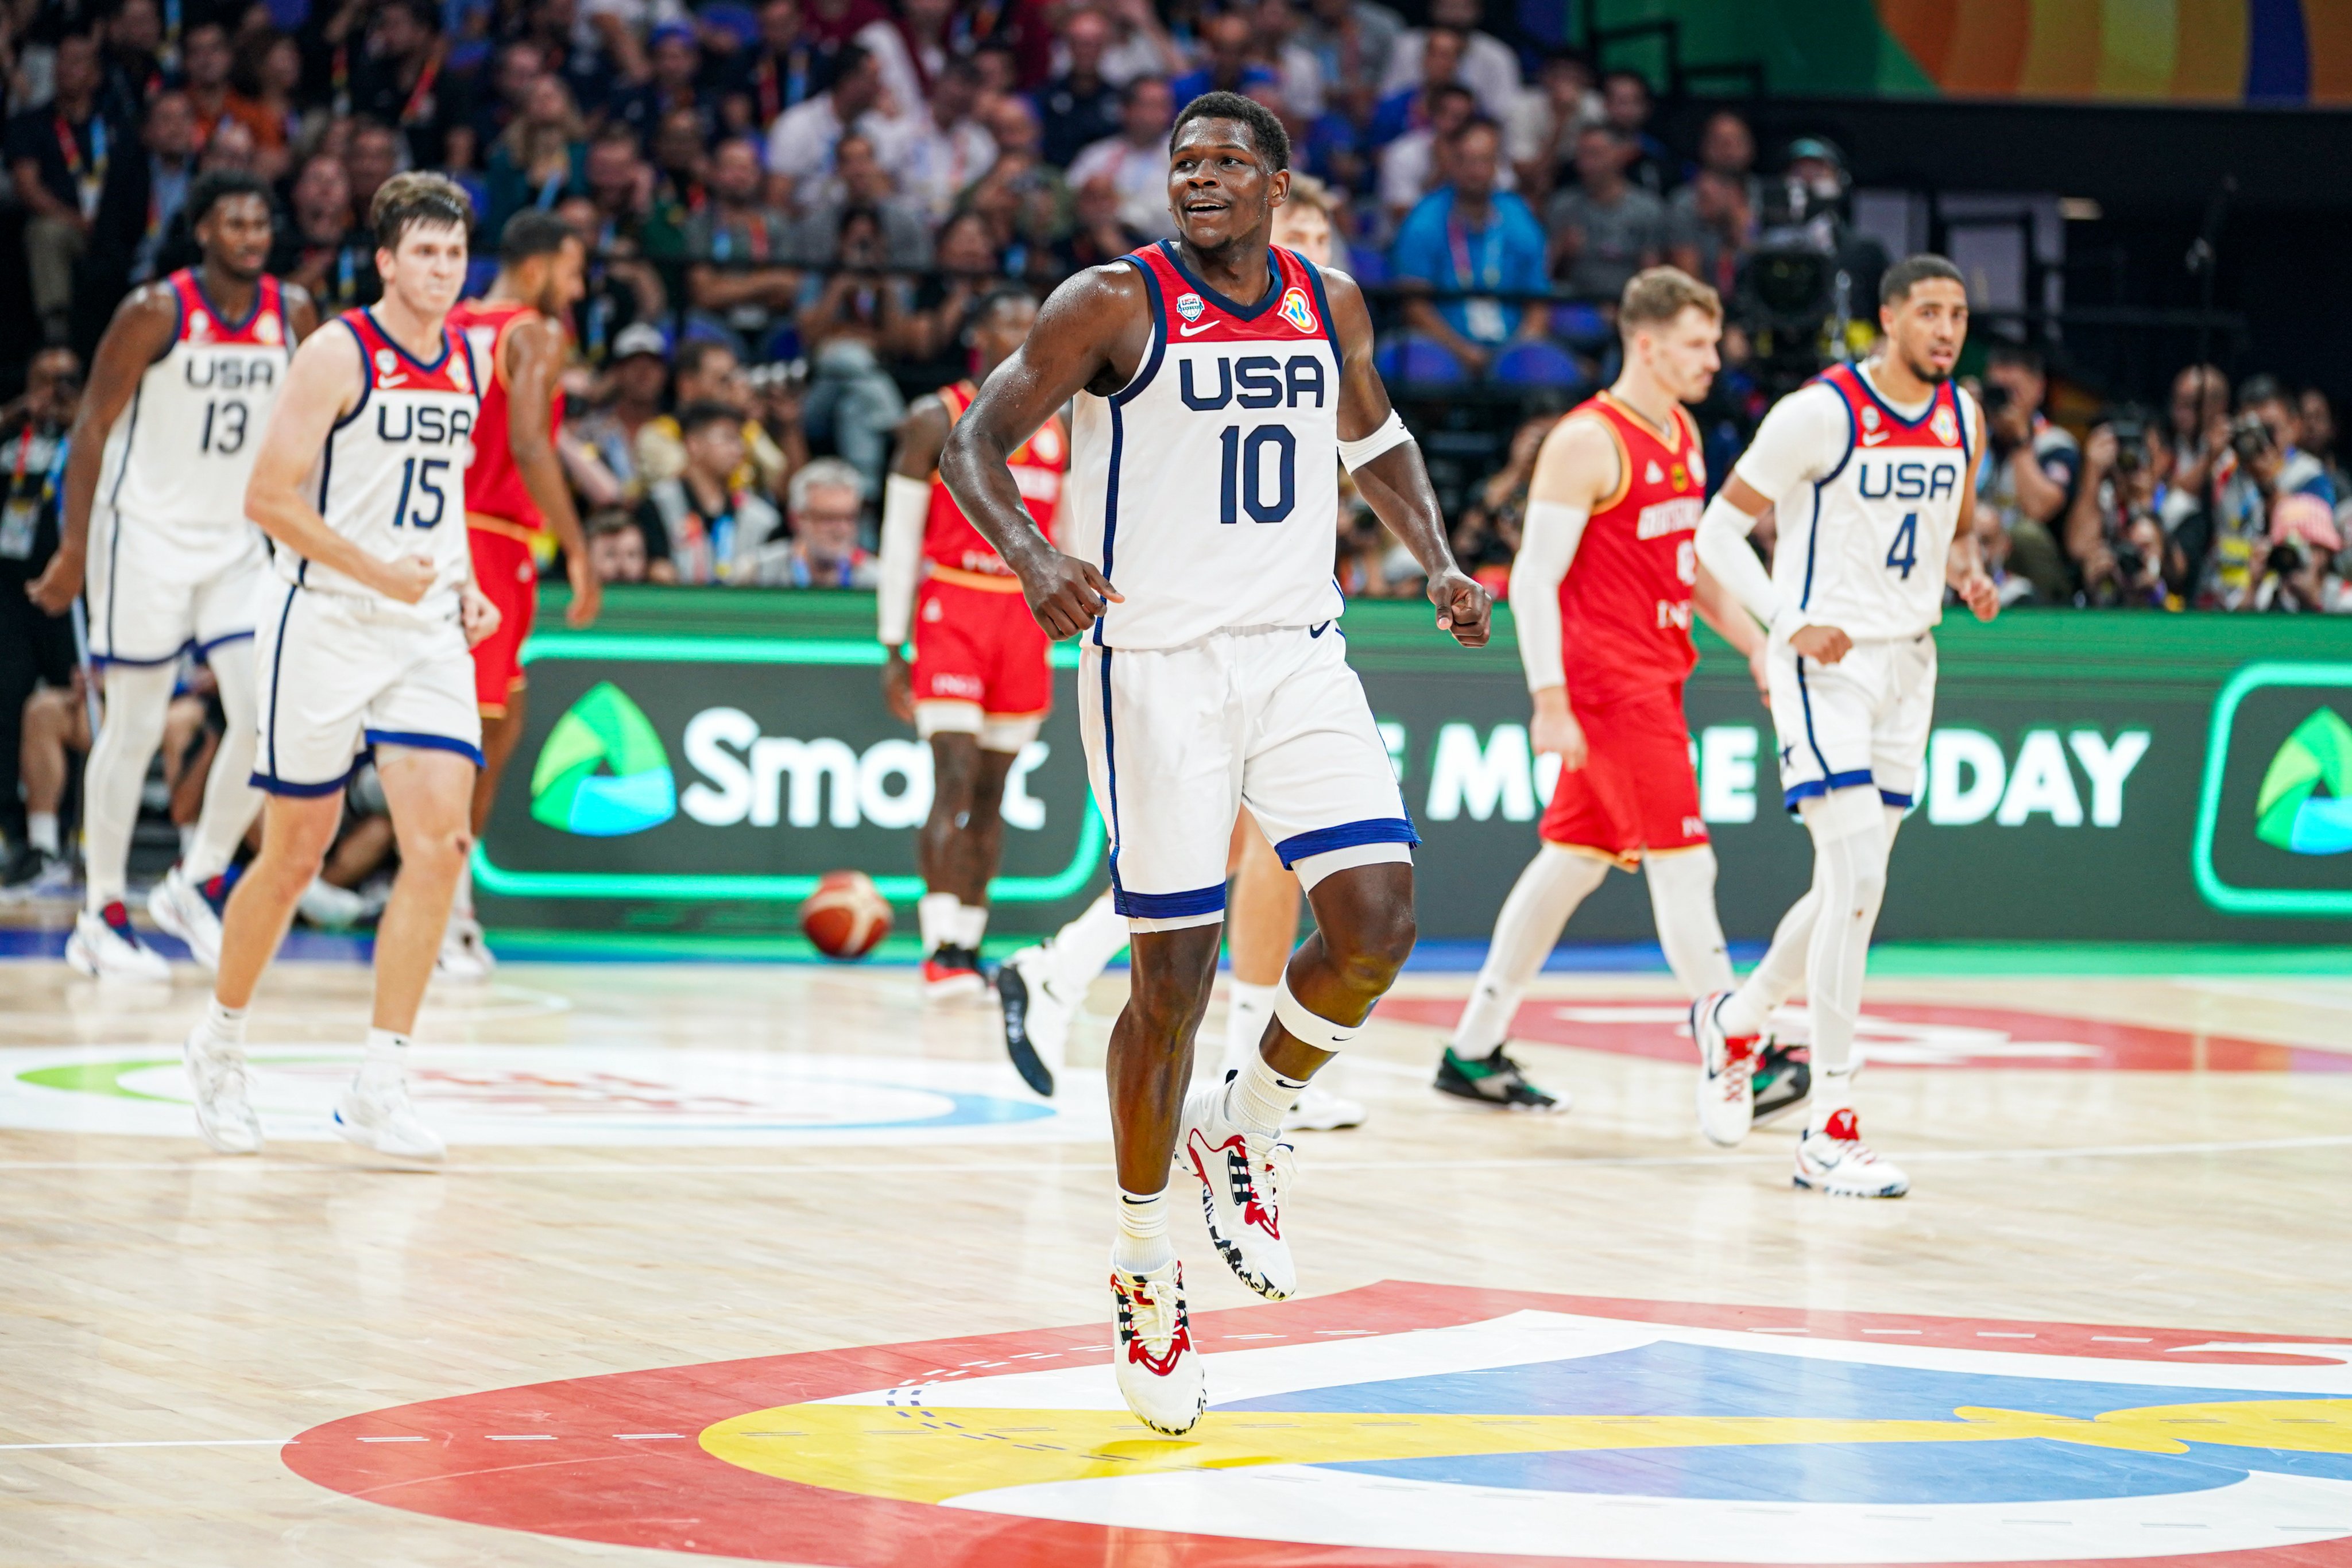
x=1310 y=1028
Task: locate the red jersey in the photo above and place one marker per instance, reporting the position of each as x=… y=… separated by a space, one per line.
x=1626 y=604
x=495 y=493
x=1039 y=465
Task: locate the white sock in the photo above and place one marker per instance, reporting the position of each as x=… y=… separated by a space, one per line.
x=41 y=833
x=1682 y=899
x=970 y=924
x=1526 y=932
x=1084 y=947
x=187 y=843
x=935 y=916
x=1832 y=1092
x=231 y=802
x=1142 y=1242
x=387 y=1052
x=137 y=698
x=1248 y=1010
x=226 y=1025
x=1259 y=1099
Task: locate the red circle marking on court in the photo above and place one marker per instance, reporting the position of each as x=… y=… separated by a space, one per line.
x=614 y=1458
x=1902 y=1034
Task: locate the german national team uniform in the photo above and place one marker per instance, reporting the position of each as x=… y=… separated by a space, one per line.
x=503 y=527
x=343 y=667
x=1863 y=547
x=173 y=563
x=1625 y=647
x=975 y=640
x=1207 y=491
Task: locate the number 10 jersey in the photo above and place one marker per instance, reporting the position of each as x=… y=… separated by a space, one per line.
x=1207 y=489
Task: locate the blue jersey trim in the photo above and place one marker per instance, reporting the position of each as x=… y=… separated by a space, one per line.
x=1346 y=836
x=277 y=658
x=103 y=661
x=1110 y=763
x=1888 y=797
x=1150 y=366
x=394 y=343
x=204 y=649
x=272 y=785
x=1170 y=906
x=1805 y=696
x=1968 y=453
x=1241 y=312
x=1812 y=787
x=196 y=282
x=179 y=326
x=1813 y=530
x=423 y=742
x=1110 y=535
x=1323 y=307
x=367 y=389
x=1871 y=393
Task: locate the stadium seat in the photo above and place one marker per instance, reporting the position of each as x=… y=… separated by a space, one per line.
x=1537 y=363
x=1580 y=324
x=1365 y=265
x=743 y=21
x=1419 y=360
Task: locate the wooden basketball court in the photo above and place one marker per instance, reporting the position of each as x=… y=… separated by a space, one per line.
x=773 y=1262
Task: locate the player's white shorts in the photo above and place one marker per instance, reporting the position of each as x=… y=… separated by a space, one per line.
x=342 y=674
x=152 y=599
x=1861 y=721
x=1178 y=739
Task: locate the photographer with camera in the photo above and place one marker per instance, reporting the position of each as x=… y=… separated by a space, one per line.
x=2029 y=482
x=2114 y=528
x=2255 y=479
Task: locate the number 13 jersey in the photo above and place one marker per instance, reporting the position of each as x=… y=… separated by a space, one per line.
x=1207 y=489
x=176 y=461
x=392 y=477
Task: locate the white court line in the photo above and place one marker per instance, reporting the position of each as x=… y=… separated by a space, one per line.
x=166 y=1443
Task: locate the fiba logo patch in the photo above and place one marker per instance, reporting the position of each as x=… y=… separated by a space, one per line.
x=457 y=372
x=1297 y=310
x=387 y=361
x=200 y=327
x=1189 y=307
x=1946 y=427
x=266 y=329
x=1869 y=417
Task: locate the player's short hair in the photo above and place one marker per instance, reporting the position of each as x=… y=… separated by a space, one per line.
x=704 y=413
x=610 y=521
x=1310 y=193
x=534 y=231
x=824 y=473
x=217 y=186
x=417 y=197
x=1894 y=285
x=1266 y=134
x=1654 y=296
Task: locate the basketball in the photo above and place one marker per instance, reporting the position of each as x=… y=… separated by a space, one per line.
x=845 y=917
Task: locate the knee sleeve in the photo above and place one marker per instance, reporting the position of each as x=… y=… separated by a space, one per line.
x=1682 y=899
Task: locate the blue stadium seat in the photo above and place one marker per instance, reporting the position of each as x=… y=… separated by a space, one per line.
x=740 y=20
x=1365 y=265
x=1582 y=325
x=1537 y=363
x=481 y=273
x=1419 y=360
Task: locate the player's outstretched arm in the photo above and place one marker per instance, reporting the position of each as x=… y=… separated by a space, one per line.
x=1091 y=336
x=1575 y=469
x=324 y=385
x=142 y=329
x=536 y=351
x=1389 y=473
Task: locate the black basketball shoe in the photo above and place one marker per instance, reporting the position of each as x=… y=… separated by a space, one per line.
x=1492 y=1080
x=1783 y=1078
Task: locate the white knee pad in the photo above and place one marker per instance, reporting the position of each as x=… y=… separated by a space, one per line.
x=1307 y=1028
x=1843 y=814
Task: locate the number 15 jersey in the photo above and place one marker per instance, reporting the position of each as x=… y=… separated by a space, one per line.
x=1207 y=489
x=392 y=477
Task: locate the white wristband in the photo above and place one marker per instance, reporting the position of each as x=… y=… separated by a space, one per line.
x=1356 y=454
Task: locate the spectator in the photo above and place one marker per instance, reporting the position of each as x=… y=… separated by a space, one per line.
x=517 y=65
x=142 y=197
x=1408 y=165
x=2114 y=528
x=1228 y=61
x=205 y=65
x=1551 y=109
x=1100 y=237
x=800 y=143
x=1604 y=229
x=1469 y=235
x=623 y=288
x=1355 y=45
x=616 y=548
x=2198 y=434
x=2319 y=439
x=1280 y=36
x=865 y=184
x=403 y=82
x=968 y=267
x=326 y=250
x=1141 y=46
x=702 y=525
x=675 y=87
x=737 y=277
x=1081 y=105
x=823 y=552
x=35 y=648
x=681 y=183
x=1710 y=229
x=540 y=157
x=2262 y=469
x=1490 y=67
x=2029 y=478
x=2303 y=565
x=1135 y=162
x=911 y=48
x=1414 y=108
x=1488 y=537
x=56 y=730
x=709 y=372
x=1625 y=103
x=264 y=81
x=58 y=159
x=944 y=149
x=850 y=397
x=130 y=63
x=628 y=400
x=372 y=154
x=787 y=69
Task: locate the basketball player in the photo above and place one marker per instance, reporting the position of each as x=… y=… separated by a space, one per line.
x=1603 y=587
x=363 y=646
x=1869 y=466
x=515 y=490
x=979 y=688
x=1218 y=380
x=180 y=388
x=1042 y=988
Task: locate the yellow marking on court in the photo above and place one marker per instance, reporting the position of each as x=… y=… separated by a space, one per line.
x=929 y=1455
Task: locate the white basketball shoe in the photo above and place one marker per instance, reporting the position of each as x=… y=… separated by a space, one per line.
x=1159 y=1372
x=1727 y=1088
x=223 y=1087
x=1241 y=1175
x=1320 y=1111
x=105 y=947
x=1833 y=1158
x=465 y=951
x=374 y=1112
x=181 y=907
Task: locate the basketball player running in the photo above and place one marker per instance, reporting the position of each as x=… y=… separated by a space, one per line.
x=979 y=687
x=1869 y=466
x=514 y=491
x=1041 y=988
x=1602 y=590
x=180 y=388
x=1216 y=379
x=363 y=643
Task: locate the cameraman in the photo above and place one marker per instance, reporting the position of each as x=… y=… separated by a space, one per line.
x=2114 y=528
x=2262 y=467
x=2034 y=470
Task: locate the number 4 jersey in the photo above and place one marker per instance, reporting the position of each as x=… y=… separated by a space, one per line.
x=392 y=477
x=1207 y=489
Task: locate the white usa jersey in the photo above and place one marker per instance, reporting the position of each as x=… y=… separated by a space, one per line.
x=392 y=477
x=1207 y=489
x=177 y=459
x=1867 y=501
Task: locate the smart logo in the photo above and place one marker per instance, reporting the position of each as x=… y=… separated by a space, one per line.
x=603 y=772
x=2290 y=813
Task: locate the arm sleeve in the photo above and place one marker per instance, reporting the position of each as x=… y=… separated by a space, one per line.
x=1724 y=551
x=1547 y=547
x=905 y=502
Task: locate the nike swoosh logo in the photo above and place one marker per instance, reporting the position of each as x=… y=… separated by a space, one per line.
x=392 y=381
x=1881 y=439
x=1191 y=331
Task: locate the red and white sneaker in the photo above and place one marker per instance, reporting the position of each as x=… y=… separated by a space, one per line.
x=949 y=972
x=1726 y=1090
x=1241 y=1176
x=1833 y=1158
x=1159 y=1372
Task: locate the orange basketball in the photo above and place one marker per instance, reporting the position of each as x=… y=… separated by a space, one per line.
x=845 y=917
